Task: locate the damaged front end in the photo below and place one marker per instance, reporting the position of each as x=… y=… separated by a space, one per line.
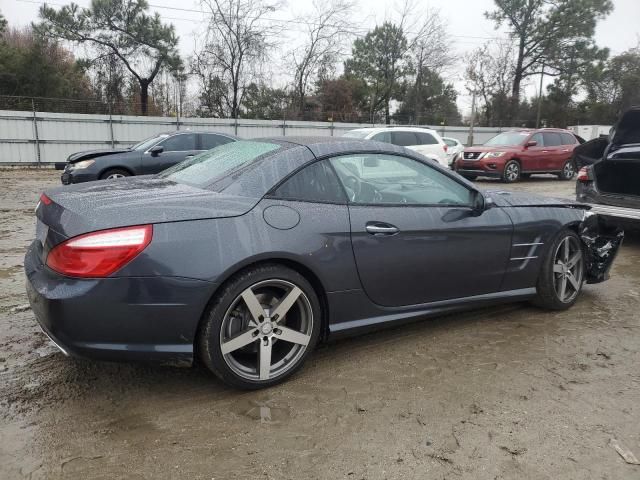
x=602 y=242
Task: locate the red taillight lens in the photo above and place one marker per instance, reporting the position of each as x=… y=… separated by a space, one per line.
x=446 y=148
x=44 y=199
x=99 y=254
x=583 y=175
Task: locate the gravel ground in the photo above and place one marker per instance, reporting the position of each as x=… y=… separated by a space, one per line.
x=501 y=393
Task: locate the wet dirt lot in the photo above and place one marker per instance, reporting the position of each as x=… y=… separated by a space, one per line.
x=502 y=393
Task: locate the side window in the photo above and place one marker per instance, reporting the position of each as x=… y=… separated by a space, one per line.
x=538 y=138
x=315 y=183
x=180 y=143
x=552 y=139
x=404 y=139
x=394 y=180
x=450 y=142
x=425 y=138
x=568 y=139
x=211 y=140
x=382 y=137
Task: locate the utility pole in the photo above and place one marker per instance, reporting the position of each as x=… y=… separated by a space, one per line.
x=473 y=119
x=540 y=98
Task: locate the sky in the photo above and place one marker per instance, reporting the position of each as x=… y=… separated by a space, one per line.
x=466 y=27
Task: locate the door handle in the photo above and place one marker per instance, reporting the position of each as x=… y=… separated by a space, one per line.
x=375 y=228
x=545 y=151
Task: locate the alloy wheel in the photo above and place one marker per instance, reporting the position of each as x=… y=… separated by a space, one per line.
x=512 y=171
x=569 y=171
x=266 y=330
x=568 y=269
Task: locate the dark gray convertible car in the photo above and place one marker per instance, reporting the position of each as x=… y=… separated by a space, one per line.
x=149 y=156
x=247 y=255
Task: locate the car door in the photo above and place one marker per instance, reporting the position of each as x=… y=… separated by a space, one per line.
x=555 y=157
x=415 y=234
x=533 y=157
x=175 y=149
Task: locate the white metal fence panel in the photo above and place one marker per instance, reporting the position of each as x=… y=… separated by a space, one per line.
x=28 y=138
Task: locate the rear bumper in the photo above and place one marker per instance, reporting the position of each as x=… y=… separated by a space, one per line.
x=617 y=212
x=119 y=318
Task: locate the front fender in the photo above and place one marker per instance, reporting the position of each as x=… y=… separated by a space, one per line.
x=601 y=242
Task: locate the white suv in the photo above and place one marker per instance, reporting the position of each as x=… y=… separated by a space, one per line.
x=422 y=140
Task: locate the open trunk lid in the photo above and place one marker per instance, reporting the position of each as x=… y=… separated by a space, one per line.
x=617 y=174
x=87 y=207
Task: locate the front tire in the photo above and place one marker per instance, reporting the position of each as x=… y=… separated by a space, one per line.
x=261 y=327
x=562 y=273
x=511 y=172
x=113 y=173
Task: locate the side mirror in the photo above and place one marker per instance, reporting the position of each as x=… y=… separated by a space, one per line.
x=479 y=203
x=531 y=143
x=155 y=151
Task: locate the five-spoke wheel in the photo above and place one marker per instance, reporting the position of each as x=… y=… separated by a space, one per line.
x=261 y=328
x=562 y=273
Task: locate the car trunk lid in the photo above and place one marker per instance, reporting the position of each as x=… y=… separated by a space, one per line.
x=616 y=175
x=87 y=207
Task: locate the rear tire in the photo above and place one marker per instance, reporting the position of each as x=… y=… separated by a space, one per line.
x=511 y=172
x=248 y=307
x=113 y=173
x=568 y=171
x=562 y=273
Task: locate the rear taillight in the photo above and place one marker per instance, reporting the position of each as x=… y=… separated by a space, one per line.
x=99 y=254
x=445 y=147
x=44 y=199
x=584 y=175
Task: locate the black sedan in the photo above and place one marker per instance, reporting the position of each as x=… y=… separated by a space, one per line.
x=608 y=179
x=147 y=157
x=251 y=253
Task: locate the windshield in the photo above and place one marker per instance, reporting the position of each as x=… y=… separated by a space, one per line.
x=216 y=164
x=144 y=144
x=508 y=139
x=357 y=134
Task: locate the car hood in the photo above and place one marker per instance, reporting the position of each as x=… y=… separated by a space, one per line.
x=88 y=154
x=520 y=199
x=86 y=207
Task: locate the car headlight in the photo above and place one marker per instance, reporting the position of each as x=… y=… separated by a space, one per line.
x=495 y=154
x=82 y=164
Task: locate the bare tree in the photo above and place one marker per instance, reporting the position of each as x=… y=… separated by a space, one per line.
x=427 y=44
x=326 y=31
x=490 y=71
x=239 y=37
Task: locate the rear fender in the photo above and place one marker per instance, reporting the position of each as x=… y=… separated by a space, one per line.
x=601 y=243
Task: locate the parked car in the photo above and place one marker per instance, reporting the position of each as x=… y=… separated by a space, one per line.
x=610 y=180
x=147 y=157
x=251 y=253
x=423 y=140
x=518 y=154
x=454 y=147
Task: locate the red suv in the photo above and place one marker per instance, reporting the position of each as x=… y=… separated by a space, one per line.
x=518 y=154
